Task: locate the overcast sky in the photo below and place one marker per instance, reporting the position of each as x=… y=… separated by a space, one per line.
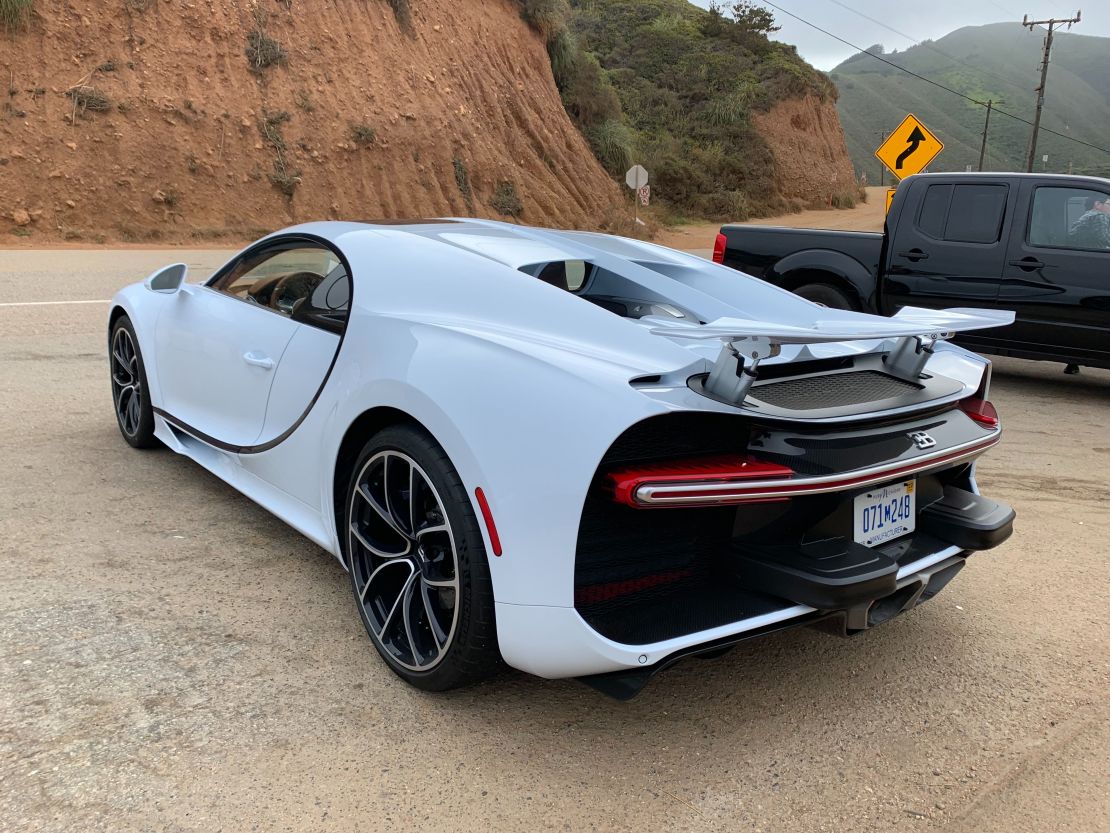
x=848 y=19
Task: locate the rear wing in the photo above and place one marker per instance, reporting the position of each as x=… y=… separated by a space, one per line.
x=747 y=342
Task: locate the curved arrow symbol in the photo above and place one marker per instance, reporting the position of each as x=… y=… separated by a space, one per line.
x=915 y=139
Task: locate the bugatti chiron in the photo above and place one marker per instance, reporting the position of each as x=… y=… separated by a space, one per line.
x=577 y=454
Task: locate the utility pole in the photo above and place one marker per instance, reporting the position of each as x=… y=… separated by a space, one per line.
x=1052 y=23
x=986 y=127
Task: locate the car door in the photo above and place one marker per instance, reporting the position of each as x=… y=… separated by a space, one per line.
x=220 y=348
x=1057 y=279
x=948 y=248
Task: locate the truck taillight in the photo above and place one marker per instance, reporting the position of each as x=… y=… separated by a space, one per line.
x=719 y=248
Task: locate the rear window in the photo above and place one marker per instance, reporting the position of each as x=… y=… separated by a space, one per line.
x=971 y=213
x=570 y=275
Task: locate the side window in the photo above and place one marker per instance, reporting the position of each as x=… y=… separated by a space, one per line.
x=305 y=282
x=934 y=210
x=976 y=213
x=971 y=213
x=1074 y=218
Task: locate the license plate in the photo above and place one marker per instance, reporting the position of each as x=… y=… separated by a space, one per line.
x=884 y=514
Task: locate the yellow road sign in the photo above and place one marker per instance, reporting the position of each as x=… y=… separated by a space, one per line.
x=889 y=198
x=909 y=148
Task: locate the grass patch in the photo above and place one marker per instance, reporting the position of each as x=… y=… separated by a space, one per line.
x=263 y=51
x=21 y=232
x=462 y=180
x=363 y=135
x=506 y=201
x=15 y=14
x=89 y=98
x=613 y=143
x=843 y=199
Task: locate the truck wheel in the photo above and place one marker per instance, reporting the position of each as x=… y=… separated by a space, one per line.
x=825 y=296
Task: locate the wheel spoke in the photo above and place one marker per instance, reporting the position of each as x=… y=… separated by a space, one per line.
x=400 y=595
x=381 y=511
x=406 y=617
x=378 y=552
x=428 y=530
x=438 y=633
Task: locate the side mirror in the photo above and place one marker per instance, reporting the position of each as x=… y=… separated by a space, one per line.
x=168 y=279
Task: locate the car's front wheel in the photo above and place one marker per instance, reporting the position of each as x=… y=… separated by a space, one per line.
x=418 y=564
x=129 y=390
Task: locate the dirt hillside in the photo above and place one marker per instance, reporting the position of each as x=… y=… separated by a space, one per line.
x=812 y=165
x=142 y=120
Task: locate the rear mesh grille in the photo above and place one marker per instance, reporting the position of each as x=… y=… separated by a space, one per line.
x=836 y=390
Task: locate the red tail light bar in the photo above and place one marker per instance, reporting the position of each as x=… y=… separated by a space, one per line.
x=719 y=246
x=726 y=480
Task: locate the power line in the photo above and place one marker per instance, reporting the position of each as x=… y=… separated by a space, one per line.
x=930 y=47
x=930 y=80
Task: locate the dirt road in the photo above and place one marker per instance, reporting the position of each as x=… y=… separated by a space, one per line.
x=866 y=216
x=173 y=658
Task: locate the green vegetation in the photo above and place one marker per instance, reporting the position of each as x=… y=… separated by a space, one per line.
x=506 y=201
x=402 y=10
x=998 y=62
x=363 y=135
x=15 y=13
x=462 y=180
x=263 y=51
x=284 y=178
x=672 y=86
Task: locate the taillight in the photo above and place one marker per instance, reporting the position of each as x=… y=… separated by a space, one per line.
x=981 y=411
x=719 y=248
x=698 y=481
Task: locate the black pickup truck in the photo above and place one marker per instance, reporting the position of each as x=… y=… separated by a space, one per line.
x=1035 y=244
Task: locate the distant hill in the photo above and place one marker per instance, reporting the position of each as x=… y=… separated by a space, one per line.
x=1000 y=61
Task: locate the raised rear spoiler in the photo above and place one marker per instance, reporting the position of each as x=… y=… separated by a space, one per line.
x=747 y=342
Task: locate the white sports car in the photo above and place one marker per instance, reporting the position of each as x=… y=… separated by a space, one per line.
x=581 y=455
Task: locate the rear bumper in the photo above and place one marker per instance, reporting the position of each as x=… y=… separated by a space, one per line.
x=556 y=642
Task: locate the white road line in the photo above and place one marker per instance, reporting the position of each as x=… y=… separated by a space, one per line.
x=47 y=303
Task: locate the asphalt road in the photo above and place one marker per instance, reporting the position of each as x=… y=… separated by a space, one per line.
x=172 y=658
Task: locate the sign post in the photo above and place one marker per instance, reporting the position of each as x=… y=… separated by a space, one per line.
x=909 y=148
x=637 y=180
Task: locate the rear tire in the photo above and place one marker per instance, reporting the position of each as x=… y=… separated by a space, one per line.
x=418 y=564
x=130 y=399
x=826 y=296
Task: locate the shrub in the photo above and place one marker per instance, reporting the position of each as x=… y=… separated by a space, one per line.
x=613 y=144
x=843 y=199
x=545 y=16
x=363 y=135
x=402 y=10
x=284 y=178
x=462 y=180
x=506 y=201
x=15 y=13
x=89 y=98
x=263 y=51
x=562 y=49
